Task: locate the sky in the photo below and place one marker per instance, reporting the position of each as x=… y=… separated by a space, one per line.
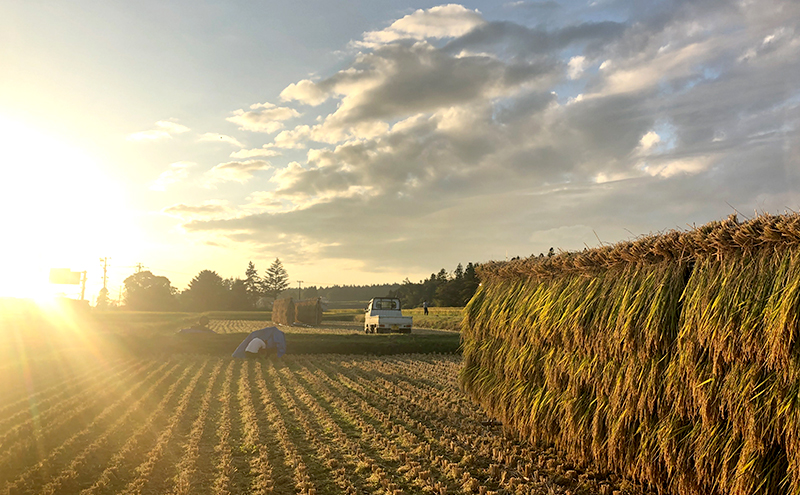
x=366 y=142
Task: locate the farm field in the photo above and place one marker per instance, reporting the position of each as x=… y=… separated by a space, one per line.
x=327 y=327
x=320 y=424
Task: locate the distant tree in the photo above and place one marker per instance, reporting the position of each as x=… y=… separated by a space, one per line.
x=239 y=299
x=470 y=284
x=147 y=292
x=252 y=284
x=440 y=289
x=206 y=292
x=310 y=292
x=276 y=280
x=103 y=302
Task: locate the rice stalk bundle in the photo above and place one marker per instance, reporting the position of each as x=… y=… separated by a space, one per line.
x=672 y=359
x=308 y=311
x=283 y=311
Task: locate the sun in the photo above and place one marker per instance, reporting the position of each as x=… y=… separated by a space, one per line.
x=59 y=210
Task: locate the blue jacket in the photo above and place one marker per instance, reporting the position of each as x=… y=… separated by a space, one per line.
x=271 y=336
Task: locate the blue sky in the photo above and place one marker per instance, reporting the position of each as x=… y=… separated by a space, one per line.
x=367 y=142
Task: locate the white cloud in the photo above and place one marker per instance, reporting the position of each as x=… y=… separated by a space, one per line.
x=467 y=137
x=304 y=91
x=293 y=139
x=206 y=210
x=648 y=141
x=252 y=153
x=172 y=127
x=236 y=171
x=262 y=117
x=646 y=72
x=265 y=200
x=176 y=172
x=671 y=167
x=444 y=21
x=576 y=66
x=212 y=137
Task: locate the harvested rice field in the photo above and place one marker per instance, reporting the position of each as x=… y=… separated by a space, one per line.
x=310 y=424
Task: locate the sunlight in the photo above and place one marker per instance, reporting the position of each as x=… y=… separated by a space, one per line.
x=59 y=210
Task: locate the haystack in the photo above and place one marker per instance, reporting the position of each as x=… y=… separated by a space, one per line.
x=308 y=311
x=673 y=359
x=283 y=311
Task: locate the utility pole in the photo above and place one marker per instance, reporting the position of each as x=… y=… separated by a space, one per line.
x=83 y=285
x=299 y=290
x=139 y=267
x=104 y=261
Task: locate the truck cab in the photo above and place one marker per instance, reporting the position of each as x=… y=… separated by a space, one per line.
x=383 y=315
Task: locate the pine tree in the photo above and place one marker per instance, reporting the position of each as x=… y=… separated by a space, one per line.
x=252 y=284
x=276 y=280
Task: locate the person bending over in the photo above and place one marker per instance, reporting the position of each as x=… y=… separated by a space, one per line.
x=255 y=349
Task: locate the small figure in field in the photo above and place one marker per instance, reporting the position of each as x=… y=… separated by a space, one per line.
x=255 y=349
x=200 y=327
x=262 y=343
x=425 y=307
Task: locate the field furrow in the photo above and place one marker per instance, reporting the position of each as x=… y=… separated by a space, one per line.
x=121 y=465
x=145 y=469
x=38 y=424
x=259 y=469
x=33 y=403
x=64 y=464
x=303 y=424
x=57 y=438
x=223 y=449
x=285 y=429
x=185 y=480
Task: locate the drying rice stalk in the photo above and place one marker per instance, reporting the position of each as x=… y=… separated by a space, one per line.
x=672 y=358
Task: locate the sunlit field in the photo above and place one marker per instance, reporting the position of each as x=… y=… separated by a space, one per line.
x=120 y=403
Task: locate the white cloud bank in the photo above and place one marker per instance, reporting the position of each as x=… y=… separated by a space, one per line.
x=449 y=137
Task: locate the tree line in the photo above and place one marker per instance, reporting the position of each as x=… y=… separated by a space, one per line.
x=208 y=291
x=440 y=289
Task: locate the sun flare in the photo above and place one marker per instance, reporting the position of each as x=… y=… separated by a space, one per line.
x=59 y=210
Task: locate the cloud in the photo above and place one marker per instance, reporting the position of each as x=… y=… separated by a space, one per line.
x=176 y=172
x=212 y=137
x=444 y=21
x=470 y=138
x=262 y=117
x=263 y=200
x=576 y=66
x=670 y=167
x=205 y=210
x=305 y=91
x=236 y=171
x=252 y=153
x=648 y=142
x=165 y=130
x=172 y=127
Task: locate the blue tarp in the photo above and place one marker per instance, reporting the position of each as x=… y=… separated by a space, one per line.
x=271 y=336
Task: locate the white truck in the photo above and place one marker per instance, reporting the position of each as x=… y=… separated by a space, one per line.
x=383 y=315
